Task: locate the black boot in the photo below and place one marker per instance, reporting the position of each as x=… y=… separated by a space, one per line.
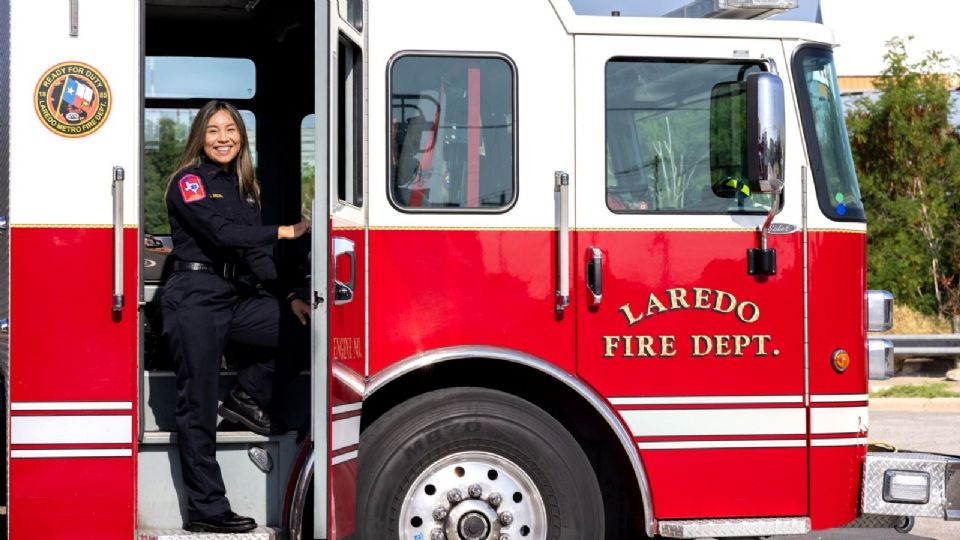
x=240 y=407
x=226 y=523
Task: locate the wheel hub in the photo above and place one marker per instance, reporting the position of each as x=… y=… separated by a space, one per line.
x=474 y=526
x=471 y=520
x=473 y=496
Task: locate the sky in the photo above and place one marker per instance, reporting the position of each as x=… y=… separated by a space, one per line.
x=932 y=23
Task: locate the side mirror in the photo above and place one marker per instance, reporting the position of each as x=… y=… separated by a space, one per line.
x=766 y=126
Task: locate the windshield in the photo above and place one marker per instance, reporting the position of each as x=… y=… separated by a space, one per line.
x=826 y=134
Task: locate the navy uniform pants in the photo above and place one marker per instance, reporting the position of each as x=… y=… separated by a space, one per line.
x=202 y=313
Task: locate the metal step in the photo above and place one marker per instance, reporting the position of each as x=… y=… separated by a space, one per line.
x=223 y=437
x=254 y=468
x=260 y=533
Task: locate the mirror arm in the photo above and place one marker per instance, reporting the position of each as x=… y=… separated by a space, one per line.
x=762 y=261
x=774 y=208
x=772 y=64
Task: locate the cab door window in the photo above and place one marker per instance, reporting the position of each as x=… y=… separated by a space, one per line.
x=350 y=123
x=175 y=87
x=676 y=137
x=452 y=134
x=164 y=137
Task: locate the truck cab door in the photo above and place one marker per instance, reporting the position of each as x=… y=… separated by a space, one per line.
x=703 y=361
x=74 y=165
x=340 y=231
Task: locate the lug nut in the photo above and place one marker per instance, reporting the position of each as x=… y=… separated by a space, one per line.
x=495 y=499
x=454 y=496
x=506 y=518
x=504 y=536
x=439 y=513
x=438 y=534
x=475 y=491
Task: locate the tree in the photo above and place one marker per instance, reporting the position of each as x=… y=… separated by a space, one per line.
x=307 y=175
x=158 y=164
x=908 y=164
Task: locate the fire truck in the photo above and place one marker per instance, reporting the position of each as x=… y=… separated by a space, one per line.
x=572 y=277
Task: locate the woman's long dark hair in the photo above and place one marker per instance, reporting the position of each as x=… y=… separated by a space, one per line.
x=193 y=152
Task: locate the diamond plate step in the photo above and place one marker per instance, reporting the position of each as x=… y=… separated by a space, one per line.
x=260 y=533
x=704 y=528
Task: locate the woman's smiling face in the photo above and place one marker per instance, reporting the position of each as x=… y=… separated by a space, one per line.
x=221 y=142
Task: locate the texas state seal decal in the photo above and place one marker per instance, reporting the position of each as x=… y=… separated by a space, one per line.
x=72 y=99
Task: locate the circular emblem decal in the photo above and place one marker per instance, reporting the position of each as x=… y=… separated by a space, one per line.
x=72 y=99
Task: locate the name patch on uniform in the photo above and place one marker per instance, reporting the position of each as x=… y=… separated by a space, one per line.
x=216 y=195
x=191 y=189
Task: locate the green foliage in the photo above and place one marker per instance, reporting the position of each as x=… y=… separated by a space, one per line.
x=159 y=160
x=928 y=390
x=908 y=164
x=307 y=175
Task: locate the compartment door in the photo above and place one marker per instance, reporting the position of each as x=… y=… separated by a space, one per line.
x=74 y=83
x=704 y=363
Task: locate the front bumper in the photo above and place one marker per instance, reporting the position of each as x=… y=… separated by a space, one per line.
x=942 y=491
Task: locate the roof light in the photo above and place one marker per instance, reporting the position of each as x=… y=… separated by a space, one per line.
x=733 y=9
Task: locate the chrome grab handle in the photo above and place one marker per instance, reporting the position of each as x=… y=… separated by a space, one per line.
x=594 y=276
x=118 y=175
x=343 y=292
x=74 y=18
x=561 y=186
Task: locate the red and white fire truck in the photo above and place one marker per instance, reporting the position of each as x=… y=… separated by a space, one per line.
x=573 y=277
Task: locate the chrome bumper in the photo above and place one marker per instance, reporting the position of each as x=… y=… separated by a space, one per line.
x=879 y=359
x=942 y=475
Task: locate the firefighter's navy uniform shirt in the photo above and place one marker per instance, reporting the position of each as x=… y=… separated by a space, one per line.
x=203 y=311
x=211 y=224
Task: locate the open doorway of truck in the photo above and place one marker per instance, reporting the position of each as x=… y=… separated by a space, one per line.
x=258 y=55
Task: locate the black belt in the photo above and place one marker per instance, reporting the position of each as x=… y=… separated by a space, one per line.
x=227 y=270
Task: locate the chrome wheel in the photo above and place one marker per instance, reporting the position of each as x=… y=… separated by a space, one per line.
x=473 y=496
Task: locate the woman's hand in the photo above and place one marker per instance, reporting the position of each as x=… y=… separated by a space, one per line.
x=301 y=309
x=289 y=232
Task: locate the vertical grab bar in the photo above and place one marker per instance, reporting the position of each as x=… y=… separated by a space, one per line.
x=561 y=185
x=118 y=175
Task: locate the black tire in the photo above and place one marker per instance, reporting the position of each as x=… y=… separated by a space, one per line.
x=424 y=432
x=906 y=524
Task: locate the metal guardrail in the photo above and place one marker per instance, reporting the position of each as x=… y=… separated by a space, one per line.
x=924 y=345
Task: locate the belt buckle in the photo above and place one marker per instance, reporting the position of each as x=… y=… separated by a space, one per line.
x=229 y=270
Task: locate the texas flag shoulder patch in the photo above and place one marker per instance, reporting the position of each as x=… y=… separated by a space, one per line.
x=191 y=188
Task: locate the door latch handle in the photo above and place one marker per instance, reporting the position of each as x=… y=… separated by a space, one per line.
x=594 y=276
x=343 y=292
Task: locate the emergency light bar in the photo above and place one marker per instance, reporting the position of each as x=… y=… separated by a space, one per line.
x=733 y=9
